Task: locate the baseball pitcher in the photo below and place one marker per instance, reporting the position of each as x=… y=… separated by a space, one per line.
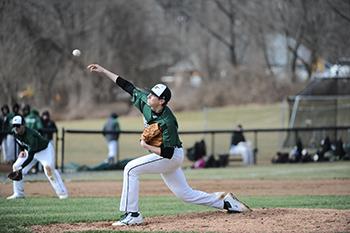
x=165 y=158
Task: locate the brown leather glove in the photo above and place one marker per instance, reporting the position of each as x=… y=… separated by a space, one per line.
x=16 y=175
x=152 y=135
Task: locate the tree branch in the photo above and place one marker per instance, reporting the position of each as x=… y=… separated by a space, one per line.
x=338 y=12
x=223 y=9
x=209 y=30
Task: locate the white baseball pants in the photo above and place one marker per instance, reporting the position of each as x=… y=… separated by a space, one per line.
x=112 y=149
x=47 y=158
x=173 y=176
x=9 y=148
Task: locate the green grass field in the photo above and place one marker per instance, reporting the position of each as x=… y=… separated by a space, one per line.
x=301 y=171
x=17 y=214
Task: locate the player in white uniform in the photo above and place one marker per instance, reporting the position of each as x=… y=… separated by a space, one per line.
x=165 y=160
x=34 y=148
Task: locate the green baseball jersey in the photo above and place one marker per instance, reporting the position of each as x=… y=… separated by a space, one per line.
x=166 y=119
x=32 y=141
x=33 y=120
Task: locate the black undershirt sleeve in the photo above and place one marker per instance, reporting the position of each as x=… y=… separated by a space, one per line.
x=167 y=152
x=125 y=85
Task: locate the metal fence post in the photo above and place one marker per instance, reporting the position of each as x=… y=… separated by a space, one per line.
x=213 y=143
x=62 y=151
x=56 y=149
x=118 y=150
x=255 y=150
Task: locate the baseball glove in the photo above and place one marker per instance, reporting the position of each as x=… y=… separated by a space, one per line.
x=16 y=175
x=152 y=135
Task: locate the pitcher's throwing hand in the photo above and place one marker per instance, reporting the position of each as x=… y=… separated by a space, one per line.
x=95 y=68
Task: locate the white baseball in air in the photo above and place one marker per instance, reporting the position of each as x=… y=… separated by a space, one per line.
x=76 y=52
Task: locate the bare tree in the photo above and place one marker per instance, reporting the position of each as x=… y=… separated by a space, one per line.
x=220 y=19
x=141 y=39
x=314 y=27
x=340 y=8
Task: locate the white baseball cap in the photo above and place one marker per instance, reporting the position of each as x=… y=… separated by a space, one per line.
x=161 y=91
x=17 y=120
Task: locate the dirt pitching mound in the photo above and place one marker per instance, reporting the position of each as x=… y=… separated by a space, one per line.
x=260 y=220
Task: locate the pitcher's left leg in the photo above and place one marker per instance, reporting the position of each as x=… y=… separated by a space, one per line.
x=177 y=183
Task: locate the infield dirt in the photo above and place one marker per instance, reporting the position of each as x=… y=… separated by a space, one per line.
x=260 y=220
x=239 y=187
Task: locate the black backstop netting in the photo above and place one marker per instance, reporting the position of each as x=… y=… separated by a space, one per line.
x=325 y=102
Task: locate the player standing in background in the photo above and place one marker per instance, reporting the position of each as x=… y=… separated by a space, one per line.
x=9 y=146
x=239 y=146
x=34 y=148
x=49 y=126
x=25 y=110
x=165 y=160
x=5 y=110
x=33 y=120
x=112 y=124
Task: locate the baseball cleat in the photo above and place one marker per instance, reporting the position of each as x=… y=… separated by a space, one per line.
x=63 y=196
x=15 y=196
x=129 y=219
x=233 y=205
